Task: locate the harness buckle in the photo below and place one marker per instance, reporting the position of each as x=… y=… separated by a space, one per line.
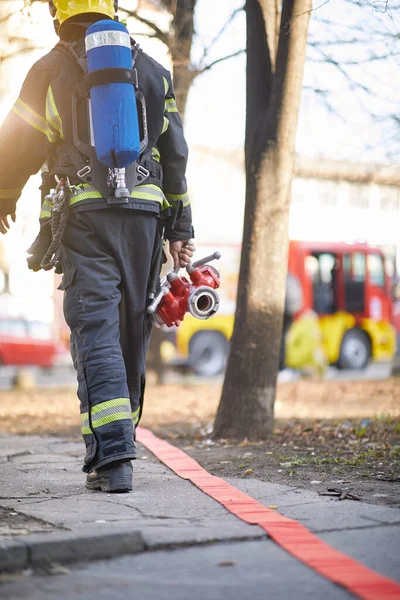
x=84 y=171
x=142 y=171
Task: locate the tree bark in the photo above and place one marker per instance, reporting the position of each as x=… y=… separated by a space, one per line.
x=183 y=27
x=273 y=98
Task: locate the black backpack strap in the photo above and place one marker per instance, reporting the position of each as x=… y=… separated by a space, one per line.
x=78 y=156
x=76 y=51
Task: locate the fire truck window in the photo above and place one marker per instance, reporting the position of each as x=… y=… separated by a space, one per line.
x=347 y=267
x=359 y=267
x=327 y=264
x=312 y=268
x=376 y=270
x=354 y=282
x=323 y=274
x=390 y=266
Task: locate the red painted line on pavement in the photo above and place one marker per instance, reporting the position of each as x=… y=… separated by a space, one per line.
x=288 y=533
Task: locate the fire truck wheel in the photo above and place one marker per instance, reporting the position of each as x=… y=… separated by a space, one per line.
x=208 y=351
x=355 y=350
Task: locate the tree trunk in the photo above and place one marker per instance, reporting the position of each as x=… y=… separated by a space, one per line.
x=183 y=26
x=247 y=404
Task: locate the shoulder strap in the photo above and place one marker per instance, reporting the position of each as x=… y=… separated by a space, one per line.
x=76 y=51
x=135 y=51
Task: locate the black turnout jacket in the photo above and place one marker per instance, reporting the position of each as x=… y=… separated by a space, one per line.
x=40 y=122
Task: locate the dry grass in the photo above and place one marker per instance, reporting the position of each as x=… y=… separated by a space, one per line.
x=56 y=412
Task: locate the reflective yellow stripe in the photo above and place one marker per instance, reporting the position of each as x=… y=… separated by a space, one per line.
x=10 y=194
x=85 y=429
x=165 y=125
x=52 y=114
x=135 y=416
x=155 y=154
x=150 y=192
x=34 y=119
x=84 y=192
x=110 y=404
x=45 y=212
x=175 y=197
x=47 y=209
x=166 y=85
x=170 y=105
x=109 y=411
x=145 y=196
x=110 y=419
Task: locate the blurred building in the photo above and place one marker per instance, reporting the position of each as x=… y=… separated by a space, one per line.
x=331 y=201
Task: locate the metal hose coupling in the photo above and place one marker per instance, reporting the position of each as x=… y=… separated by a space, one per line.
x=157 y=321
x=203 y=302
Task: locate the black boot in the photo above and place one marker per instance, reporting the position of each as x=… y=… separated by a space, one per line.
x=114 y=477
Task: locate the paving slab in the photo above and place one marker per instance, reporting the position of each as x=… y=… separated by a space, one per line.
x=44 y=481
x=377 y=548
x=318 y=513
x=256 y=570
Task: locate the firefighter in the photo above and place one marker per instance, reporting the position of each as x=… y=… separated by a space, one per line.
x=108 y=247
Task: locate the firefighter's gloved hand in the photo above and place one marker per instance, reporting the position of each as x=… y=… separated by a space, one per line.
x=39 y=248
x=181 y=252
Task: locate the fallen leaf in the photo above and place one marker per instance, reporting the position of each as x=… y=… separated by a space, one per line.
x=55 y=569
x=227 y=563
x=273 y=507
x=247 y=472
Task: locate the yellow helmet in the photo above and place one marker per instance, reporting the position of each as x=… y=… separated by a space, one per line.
x=61 y=10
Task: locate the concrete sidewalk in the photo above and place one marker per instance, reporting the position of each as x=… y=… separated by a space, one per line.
x=47 y=516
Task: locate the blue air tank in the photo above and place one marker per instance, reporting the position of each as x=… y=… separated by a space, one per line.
x=113 y=106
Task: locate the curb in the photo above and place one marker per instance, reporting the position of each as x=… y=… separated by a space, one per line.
x=68 y=547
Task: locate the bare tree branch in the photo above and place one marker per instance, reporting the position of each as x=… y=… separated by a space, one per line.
x=158 y=33
x=361 y=61
x=25 y=49
x=222 y=30
x=219 y=60
x=310 y=11
x=168 y=5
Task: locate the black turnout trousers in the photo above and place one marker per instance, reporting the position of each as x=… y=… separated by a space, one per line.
x=107 y=259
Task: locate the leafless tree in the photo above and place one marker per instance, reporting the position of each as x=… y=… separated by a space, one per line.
x=354 y=54
x=275 y=61
x=276 y=53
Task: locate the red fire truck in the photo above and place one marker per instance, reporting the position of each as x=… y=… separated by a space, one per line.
x=346 y=317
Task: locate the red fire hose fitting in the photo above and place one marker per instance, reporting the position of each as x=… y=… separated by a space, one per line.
x=178 y=295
